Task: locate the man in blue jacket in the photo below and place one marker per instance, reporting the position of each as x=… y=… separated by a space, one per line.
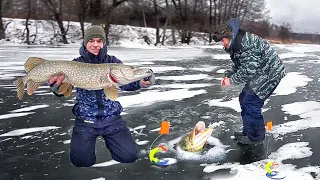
x=96 y=115
x=255 y=64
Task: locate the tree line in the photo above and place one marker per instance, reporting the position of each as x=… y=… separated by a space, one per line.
x=185 y=17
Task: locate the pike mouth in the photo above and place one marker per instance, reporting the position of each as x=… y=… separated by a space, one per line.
x=138 y=75
x=142 y=76
x=202 y=137
x=197 y=138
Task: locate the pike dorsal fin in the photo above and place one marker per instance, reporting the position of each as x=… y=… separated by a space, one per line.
x=32 y=62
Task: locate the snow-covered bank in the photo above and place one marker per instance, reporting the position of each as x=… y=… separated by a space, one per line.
x=47 y=33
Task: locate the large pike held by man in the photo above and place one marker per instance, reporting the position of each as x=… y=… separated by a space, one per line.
x=105 y=76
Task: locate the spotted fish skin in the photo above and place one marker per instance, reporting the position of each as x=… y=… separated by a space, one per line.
x=78 y=74
x=82 y=75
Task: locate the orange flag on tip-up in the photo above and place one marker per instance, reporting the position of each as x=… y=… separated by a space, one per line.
x=269 y=125
x=164 y=128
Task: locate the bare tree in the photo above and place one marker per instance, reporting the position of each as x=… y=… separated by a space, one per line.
x=27 y=21
x=157 y=16
x=229 y=13
x=284 y=33
x=240 y=5
x=95 y=11
x=252 y=10
x=182 y=20
x=167 y=13
x=144 y=18
x=224 y=12
x=107 y=15
x=183 y=17
x=260 y=28
x=141 y=5
x=2 y=33
x=36 y=33
x=82 y=8
x=210 y=20
x=55 y=7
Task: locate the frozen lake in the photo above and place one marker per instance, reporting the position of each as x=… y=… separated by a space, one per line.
x=35 y=132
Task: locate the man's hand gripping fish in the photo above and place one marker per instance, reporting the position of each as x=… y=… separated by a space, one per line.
x=105 y=76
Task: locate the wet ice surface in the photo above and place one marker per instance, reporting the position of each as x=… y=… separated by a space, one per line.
x=35 y=133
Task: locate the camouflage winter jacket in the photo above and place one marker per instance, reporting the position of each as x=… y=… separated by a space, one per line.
x=255 y=62
x=91 y=106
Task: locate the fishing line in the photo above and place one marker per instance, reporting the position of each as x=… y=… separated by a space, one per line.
x=154 y=141
x=268 y=139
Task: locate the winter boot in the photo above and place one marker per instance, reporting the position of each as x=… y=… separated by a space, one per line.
x=246 y=141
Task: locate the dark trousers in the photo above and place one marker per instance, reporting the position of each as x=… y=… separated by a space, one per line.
x=253 y=121
x=117 y=137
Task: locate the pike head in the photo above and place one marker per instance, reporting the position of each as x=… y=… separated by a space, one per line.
x=197 y=138
x=121 y=74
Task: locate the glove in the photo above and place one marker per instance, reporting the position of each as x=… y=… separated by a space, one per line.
x=55 y=89
x=151 y=79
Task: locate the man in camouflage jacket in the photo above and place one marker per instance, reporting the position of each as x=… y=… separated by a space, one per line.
x=258 y=66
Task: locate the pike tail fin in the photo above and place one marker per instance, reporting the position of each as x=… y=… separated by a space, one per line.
x=20 y=87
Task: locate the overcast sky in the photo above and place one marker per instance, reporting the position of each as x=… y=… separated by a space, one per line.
x=303 y=15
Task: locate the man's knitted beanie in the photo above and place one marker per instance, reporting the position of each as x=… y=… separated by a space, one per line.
x=94 y=32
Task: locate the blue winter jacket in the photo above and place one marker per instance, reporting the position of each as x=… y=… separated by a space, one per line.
x=91 y=105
